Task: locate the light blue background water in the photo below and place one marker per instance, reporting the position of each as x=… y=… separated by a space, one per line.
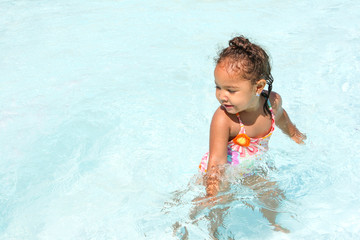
x=105 y=110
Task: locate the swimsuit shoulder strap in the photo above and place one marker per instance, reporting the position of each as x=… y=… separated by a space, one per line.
x=242 y=127
x=238 y=116
x=269 y=104
x=272 y=112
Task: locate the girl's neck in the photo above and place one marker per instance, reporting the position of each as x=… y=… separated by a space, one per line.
x=259 y=101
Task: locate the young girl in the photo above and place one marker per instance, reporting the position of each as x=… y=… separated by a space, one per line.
x=242 y=126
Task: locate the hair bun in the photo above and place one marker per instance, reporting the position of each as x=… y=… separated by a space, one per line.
x=240 y=43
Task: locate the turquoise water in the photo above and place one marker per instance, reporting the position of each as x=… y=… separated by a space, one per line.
x=106 y=105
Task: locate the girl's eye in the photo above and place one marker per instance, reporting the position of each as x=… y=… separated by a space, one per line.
x=217 y=87
x=231 y=91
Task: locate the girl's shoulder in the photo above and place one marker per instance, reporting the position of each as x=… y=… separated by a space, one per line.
x=222 y=118
x=224 y=126
x=222 y=115
x=276 y=102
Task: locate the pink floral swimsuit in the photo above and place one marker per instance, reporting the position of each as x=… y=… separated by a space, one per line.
x=244 y=155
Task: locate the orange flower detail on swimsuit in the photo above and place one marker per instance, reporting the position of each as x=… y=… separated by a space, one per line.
x=242 y=140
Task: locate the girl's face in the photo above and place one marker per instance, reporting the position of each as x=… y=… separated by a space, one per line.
x=235 y=93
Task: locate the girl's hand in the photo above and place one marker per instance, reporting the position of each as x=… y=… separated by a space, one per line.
x=299 y=137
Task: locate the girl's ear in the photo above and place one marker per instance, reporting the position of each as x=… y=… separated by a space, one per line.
x=260 y=85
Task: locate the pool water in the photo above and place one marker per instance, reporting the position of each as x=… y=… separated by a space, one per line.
x=105 y=112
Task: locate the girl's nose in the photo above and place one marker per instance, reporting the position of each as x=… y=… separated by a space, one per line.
x=222 y=96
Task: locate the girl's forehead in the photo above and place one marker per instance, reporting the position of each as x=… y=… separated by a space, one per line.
x=225 y=75
x=239 y=68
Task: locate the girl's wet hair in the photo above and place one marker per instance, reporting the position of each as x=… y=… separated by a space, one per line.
x=250 y=61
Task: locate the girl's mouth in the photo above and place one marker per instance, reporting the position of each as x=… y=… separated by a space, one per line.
x=228 y=106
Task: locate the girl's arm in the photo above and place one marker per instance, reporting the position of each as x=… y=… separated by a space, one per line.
x=282 y=120
x=219 y=137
